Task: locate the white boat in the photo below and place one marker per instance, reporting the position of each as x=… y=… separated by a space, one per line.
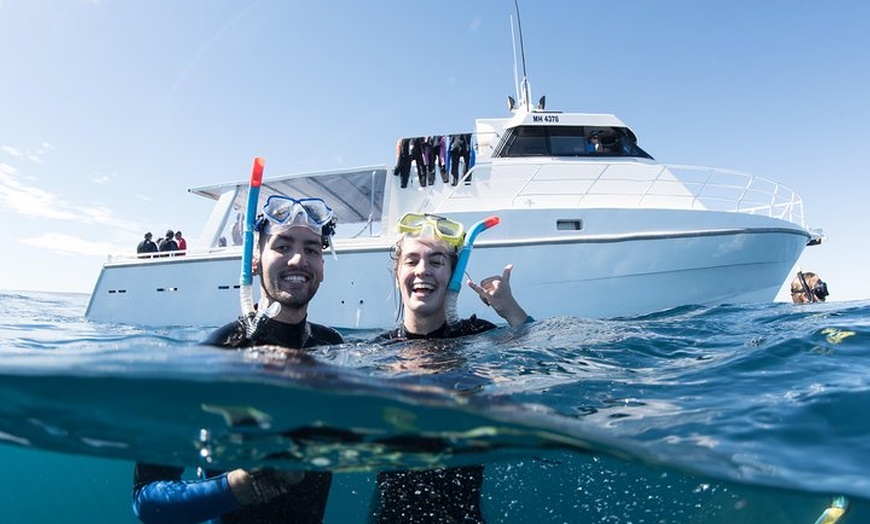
x=592 y=233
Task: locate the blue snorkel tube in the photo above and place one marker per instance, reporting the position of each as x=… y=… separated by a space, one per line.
x=246 y=294
x=253 y=320
x=455 y=285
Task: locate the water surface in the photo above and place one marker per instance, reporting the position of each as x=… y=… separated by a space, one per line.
x=743 y=413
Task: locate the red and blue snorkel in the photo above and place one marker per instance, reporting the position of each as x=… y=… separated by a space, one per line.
x=455 y=285
x=246 y=294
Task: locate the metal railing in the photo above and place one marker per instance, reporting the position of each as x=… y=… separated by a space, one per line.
x=734 y=191
x=626 y=183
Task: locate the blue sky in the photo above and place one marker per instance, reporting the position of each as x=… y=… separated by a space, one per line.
x=111 y=109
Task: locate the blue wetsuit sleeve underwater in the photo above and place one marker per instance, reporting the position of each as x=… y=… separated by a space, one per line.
x=172 y=500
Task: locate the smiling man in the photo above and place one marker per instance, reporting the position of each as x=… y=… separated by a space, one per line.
x=289 y=259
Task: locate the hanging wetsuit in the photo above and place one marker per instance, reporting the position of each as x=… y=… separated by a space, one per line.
x=403 y=161
x=437 y=150
x=417 y=156
x=460 y=148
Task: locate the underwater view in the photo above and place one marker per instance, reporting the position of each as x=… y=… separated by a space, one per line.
x=738 y=413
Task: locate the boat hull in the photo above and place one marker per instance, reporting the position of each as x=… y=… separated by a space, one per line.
x=614 y=268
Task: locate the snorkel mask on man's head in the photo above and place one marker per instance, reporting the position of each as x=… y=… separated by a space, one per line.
x=282 y=212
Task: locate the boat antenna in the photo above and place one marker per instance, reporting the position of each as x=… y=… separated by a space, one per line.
x=512 y=104
x=525 y=95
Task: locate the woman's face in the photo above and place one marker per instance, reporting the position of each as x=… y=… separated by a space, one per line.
x=423 y=271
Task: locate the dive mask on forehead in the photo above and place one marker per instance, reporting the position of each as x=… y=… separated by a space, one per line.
x=283 y=212
x=423 y=224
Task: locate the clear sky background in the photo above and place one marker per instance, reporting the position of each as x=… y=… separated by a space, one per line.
x=111 y=109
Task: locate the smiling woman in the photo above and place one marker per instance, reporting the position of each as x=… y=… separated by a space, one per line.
x=427 y=255
x=430 y=256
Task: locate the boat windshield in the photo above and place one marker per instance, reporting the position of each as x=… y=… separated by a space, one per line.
x=570 y=141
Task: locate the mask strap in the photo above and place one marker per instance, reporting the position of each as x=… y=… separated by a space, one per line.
x=807 y=291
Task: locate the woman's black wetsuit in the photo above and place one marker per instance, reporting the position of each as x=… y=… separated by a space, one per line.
x=435 y=495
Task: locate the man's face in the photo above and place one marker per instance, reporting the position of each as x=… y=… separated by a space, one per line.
x=423 y=272
x=291 y=266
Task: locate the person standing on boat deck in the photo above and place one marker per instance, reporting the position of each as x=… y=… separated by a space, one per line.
x=237 y=230
x=167 y=243
x=289 y=259
x=807 y=288
x=180 y=242
x=426 y=256
x=146 y=247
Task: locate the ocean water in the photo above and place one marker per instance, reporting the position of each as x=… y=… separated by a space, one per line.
x=743 y=413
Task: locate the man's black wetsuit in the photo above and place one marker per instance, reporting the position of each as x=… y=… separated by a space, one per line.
x=436 y=495
x=161 y=497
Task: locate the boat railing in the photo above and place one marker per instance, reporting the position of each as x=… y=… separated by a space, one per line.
x=174 y=256
x=735 y=191
x=635 y=184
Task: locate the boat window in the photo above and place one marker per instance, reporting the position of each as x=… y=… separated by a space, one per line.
x=570 y=141
x=528 y=141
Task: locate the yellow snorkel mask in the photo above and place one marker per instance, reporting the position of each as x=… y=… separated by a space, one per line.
x=424 y=224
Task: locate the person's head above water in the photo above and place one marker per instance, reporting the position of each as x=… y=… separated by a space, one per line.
x=291 y=237
x=808 y=287
x=426 y=255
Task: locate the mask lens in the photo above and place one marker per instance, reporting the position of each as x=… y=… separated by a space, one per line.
x=412 y=223
x=313 y=211
x=317 y=210
x=279 y=212
x=820 y=290
x=449 y=231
